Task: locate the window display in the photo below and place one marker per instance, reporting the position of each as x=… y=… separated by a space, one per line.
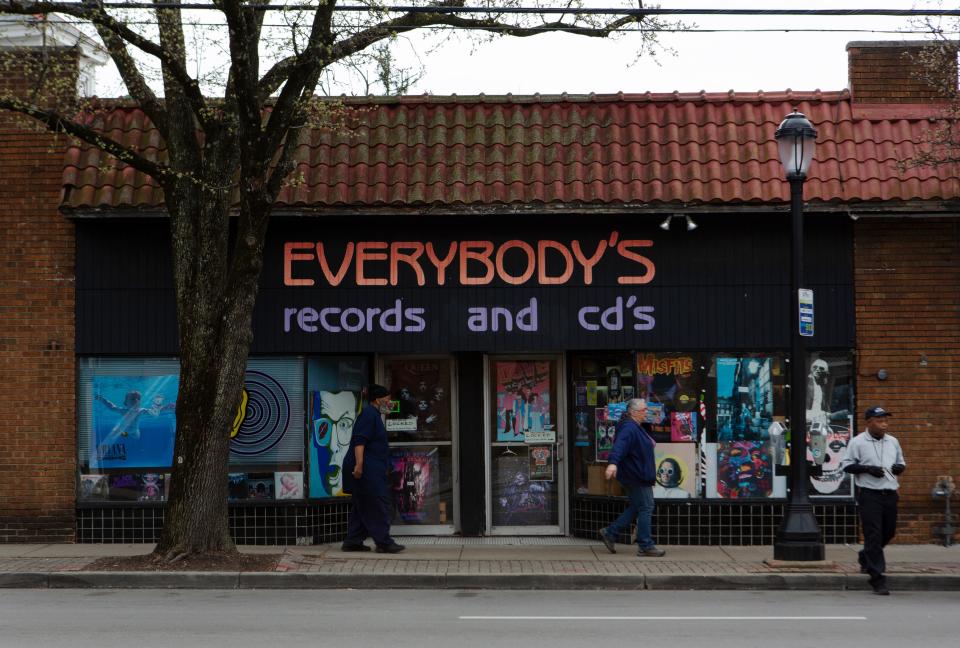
x=127 y=430
x=711 y=416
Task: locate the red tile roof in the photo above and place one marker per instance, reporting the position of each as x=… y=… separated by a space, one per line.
x=642 y=150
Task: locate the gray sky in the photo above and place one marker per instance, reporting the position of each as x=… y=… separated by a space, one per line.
x=555 y=63
x=716 y=62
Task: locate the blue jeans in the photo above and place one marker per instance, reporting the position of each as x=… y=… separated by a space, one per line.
x=641 y=508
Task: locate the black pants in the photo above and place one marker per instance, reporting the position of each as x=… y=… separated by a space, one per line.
x=878 y=517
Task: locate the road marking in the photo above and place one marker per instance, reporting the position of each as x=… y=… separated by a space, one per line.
x=663 y=618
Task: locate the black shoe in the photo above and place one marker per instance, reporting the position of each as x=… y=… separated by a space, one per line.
x=881 y=590
x=349 y=546
x=391 y=549
x=607 y=542
x=863 y=565
x=651 y=552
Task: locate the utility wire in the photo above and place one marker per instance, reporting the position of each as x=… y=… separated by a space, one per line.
x=609 y=11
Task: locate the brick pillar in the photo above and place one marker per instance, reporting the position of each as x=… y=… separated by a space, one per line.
x=885 y=72
x=37 y=364
x=908 y=323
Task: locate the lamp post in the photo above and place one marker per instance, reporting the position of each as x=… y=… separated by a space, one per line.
x=799 y=535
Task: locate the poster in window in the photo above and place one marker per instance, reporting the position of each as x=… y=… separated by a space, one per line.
x=237 y=486
x=744 y=469
x=134 y=421
x=332 y=414
x=606 y=431
x=829 y=411
x=517 y=500
x=421 y=390
x=523 y=399
x=94 y=487
x=260 y=486
x=541 y=463
x=676 y=476
x=683 y=426
x=289 y=485
x=415 y=484
x=744 y=398
x=668 y=383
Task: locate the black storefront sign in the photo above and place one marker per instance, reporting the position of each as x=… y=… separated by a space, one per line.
x=446 y=284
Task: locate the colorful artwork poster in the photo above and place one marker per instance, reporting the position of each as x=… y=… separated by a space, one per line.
x=584 y=422
x=676 y=471
x=288 y=485
x=744 y=398
x=606 y=431
x=517 y=500
x=126 y=487
x=260 y=486
x=833 y=482
x=668 y=383
x=237 y=486
x=94 y=487
x=523 y=398
x=744 y=469
x=421 y=391
x=264 y=420
x=415 y=484
x=615 y=411
x=683 y=426
x=134 y=421
x=541 y=463
x=332 y=415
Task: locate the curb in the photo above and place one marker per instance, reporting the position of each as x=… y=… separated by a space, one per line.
x=287 y=580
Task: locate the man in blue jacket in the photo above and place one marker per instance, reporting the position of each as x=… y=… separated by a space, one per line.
x=366 y=468
x=631 y=462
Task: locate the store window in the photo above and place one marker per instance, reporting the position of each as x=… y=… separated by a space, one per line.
x=127 y=430
x=713 y=416
x=334 y=388
x=421 y=434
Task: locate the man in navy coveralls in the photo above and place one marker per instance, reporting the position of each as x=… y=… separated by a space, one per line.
x=366 y=470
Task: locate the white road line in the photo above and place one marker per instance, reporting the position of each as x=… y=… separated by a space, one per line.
x=663 y=618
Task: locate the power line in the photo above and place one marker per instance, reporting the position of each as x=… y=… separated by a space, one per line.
x=609 y=11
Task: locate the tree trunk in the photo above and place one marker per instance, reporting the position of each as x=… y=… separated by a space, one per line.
x=215 y=299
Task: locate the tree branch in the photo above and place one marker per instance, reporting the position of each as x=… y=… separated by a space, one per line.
x=56 y=123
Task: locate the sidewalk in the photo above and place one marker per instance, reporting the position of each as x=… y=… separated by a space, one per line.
x=493 y=563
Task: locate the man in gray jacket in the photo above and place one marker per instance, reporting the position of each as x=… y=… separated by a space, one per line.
x=875 y=459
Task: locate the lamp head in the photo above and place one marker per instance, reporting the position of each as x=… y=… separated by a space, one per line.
x=795 y=141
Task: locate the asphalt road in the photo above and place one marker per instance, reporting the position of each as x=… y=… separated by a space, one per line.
x=428 y=619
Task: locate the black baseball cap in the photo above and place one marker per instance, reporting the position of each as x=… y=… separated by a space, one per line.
x=876 y=411
x=375 y=391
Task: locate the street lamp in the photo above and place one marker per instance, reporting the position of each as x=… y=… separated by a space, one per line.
x=799 y=535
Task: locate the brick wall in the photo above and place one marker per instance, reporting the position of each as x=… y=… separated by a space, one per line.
x=885 y=73
x=37 y=368
x=908 y=306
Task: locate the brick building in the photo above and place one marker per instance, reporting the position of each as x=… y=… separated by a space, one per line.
x=522 y=192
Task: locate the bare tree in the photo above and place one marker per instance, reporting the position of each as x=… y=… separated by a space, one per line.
x=936 y=66
x=229 y=157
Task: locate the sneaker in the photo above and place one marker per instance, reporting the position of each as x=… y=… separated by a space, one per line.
x=651 y=552
x=391 y=549
x=350 y=546
x=607 y=542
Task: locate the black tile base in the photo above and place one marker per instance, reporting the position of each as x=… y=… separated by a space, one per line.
x=249 y=525
x=714 y=523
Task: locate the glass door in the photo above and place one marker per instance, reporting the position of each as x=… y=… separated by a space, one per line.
x=524 y=430
x=421 y=429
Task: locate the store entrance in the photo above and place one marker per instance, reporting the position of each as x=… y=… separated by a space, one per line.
x=423 y=442
x=525 y=484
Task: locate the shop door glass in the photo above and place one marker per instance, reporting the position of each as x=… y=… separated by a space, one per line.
x=421 y=433
x=524 y=441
